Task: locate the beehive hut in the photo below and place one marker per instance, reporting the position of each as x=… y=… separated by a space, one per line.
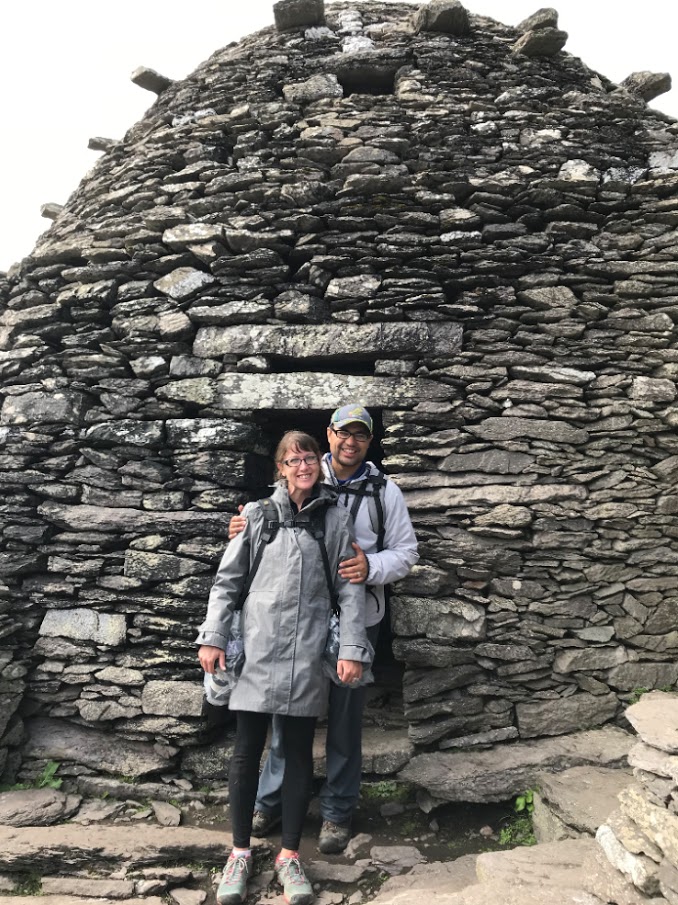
x=453 y=221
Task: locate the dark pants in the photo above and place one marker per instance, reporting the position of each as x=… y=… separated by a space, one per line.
x=341 y=789
x=297 y=780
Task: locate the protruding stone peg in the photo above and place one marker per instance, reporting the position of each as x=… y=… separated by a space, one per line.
x=447 y=16
x=647 y=85
x=292 y=14
x=541 y=42
x=546 y=17
x=97 y=143
x=150 y=80
x=51 y=210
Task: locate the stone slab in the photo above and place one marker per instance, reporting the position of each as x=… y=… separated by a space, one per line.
x=69 y=848
x=522 y=876
x=136 y=521
x=498 y=774
x=61 y=741
x=76 y=900
x=655 y=719
x=329 y=340
x=514 y=494
x=582 y=797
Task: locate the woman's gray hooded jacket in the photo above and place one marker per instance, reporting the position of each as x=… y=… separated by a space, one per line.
x=286 y=613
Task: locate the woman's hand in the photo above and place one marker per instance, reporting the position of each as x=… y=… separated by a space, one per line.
x=211 y=657
x=237 y=524
x=349 y=671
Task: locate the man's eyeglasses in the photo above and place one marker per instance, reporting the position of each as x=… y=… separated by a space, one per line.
x=360 y=436
x=296 y=461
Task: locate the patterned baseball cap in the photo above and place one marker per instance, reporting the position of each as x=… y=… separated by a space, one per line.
x=350 y=414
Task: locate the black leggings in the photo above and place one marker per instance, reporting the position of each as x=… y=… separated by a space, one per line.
x=243 y=777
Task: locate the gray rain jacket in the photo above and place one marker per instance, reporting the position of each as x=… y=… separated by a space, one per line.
x=286 y=614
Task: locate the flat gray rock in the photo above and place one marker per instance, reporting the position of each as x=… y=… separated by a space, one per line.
x=655 y=719
x=76 y=900
x=61 y=741
x=80 y=886
x=498 y=774
x=428 y=881
x=582 y=797
x=36 y=807
x=523 y=876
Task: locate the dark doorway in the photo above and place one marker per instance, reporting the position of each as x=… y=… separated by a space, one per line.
x=314 y=422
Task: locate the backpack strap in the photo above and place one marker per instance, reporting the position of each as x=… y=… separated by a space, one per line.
x=271 y=525
x=315 y=525
x=370 y=487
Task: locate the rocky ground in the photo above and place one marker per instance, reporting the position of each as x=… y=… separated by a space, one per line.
x=74 y=849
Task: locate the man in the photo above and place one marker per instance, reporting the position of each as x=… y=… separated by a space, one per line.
x=385 y=550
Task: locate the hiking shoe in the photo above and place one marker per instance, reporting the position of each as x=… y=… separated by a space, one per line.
x=233 y=887
x=334 y=837
x=296 y=888
x=263 y=823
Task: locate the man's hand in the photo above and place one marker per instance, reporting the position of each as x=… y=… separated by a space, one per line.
x=349 y=671
x=237 y=524
x=210 y=657
x=355 y=570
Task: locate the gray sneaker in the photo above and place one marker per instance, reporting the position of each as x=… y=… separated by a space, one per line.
x=233 y=887
x=296 y=888
x=263 y=823
x=334 y=837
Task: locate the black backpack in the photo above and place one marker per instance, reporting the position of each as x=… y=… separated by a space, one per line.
x=313 y=521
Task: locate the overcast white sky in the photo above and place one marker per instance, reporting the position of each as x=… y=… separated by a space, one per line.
x=65 y=67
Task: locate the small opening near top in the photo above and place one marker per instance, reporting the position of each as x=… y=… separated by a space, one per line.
x=366 y=78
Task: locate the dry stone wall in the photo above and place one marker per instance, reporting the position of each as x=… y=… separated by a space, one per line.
x=453 y=221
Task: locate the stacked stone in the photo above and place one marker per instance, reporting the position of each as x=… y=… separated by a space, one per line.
x=472 y=234
x=641 y=838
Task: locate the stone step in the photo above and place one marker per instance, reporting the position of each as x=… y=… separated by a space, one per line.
x=76 y=900
x=560 y=873
x=67 y=848
x=500 y=773
x=576 y=801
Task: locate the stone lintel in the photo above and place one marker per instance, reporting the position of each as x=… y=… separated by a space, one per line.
x=330 y=340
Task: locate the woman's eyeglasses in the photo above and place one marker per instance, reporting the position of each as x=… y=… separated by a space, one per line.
x=296 y=461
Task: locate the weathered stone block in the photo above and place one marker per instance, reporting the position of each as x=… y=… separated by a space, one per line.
x=136 y=433
x=528 y=428
x=659 y=824
x=35 y=407
x=85 y=625
x=172 y=698
x=184 y=283
x=447 y=16
x=655 y=719
x=589 y=658
x=313 y=89
x=567 y=715
x=628 y=676
x=647 y=85
x=62 y=741
x=291 y=14
x=330 y=340
x=541 y=42
x=509 y=769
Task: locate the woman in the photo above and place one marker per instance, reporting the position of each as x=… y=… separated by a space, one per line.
x=285 y=619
